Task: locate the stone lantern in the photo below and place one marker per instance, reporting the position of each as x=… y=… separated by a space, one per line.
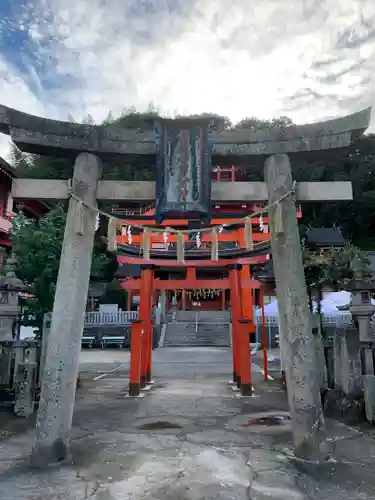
x=361 y=307
x=10 y=307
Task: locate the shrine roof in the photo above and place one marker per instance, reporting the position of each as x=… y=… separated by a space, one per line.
x=128 y=271
x=324 y=237
x=266 y=273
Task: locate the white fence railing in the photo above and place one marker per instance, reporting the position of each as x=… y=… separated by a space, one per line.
x=107 y=318
x=344 y=319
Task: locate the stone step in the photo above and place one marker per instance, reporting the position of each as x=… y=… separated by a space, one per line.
x=195 y=344
x=194 y=337
x=184 y=334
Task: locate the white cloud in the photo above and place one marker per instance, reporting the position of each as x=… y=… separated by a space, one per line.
x=231 y=57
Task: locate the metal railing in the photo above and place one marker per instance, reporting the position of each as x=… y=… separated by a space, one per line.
x=340 y=320
x=133 y=211
x=106 y=318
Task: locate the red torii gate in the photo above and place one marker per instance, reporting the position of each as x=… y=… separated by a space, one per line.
x=141 y=334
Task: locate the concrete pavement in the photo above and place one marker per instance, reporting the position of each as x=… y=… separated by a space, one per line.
x=189 y=438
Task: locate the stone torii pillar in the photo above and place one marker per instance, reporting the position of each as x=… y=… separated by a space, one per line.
x=301 y=369
x=55 y=413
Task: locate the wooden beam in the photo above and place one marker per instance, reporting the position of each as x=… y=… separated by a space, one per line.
x=144 y=191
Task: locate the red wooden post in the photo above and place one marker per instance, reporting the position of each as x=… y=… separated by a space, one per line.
x=246 y=293
x=191 y=274
x=223 y=305
x=235 y=298
x=264 y=336
x=246 y=386
x=135 y=358
x=145 y=315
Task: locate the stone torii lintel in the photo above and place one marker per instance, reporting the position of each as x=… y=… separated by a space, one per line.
x=39 y=135
x=144 y=191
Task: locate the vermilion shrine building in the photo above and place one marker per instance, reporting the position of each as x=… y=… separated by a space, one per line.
x=181 y=280
x=31 y=208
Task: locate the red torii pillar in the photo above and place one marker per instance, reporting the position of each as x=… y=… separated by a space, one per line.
x=145 y=315
x=135 y=358
x=246 y=293
x=141 y=336
x=240 y=334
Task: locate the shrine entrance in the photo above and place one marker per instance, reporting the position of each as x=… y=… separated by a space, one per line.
x=142 y=329
x=184 y=150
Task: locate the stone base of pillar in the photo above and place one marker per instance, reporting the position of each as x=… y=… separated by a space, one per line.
x=246 y=390
x=134 y=389
x=139 y=396
x=142 y=383
x=146 y=388
x=51 y=456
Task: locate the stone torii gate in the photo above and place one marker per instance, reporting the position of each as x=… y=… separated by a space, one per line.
x=88 y=144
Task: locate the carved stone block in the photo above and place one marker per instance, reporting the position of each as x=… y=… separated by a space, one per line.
x=369 y=393
x=24 y=389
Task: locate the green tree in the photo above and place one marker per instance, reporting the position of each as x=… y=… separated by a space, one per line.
x=328 y=269
x=37 y=246
x=254 y=123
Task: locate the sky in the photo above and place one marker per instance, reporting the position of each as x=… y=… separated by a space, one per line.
x=307 y=59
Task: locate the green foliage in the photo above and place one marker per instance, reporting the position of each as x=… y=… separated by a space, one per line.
x=37 y=246
x=253 y=123
x=330 y=268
